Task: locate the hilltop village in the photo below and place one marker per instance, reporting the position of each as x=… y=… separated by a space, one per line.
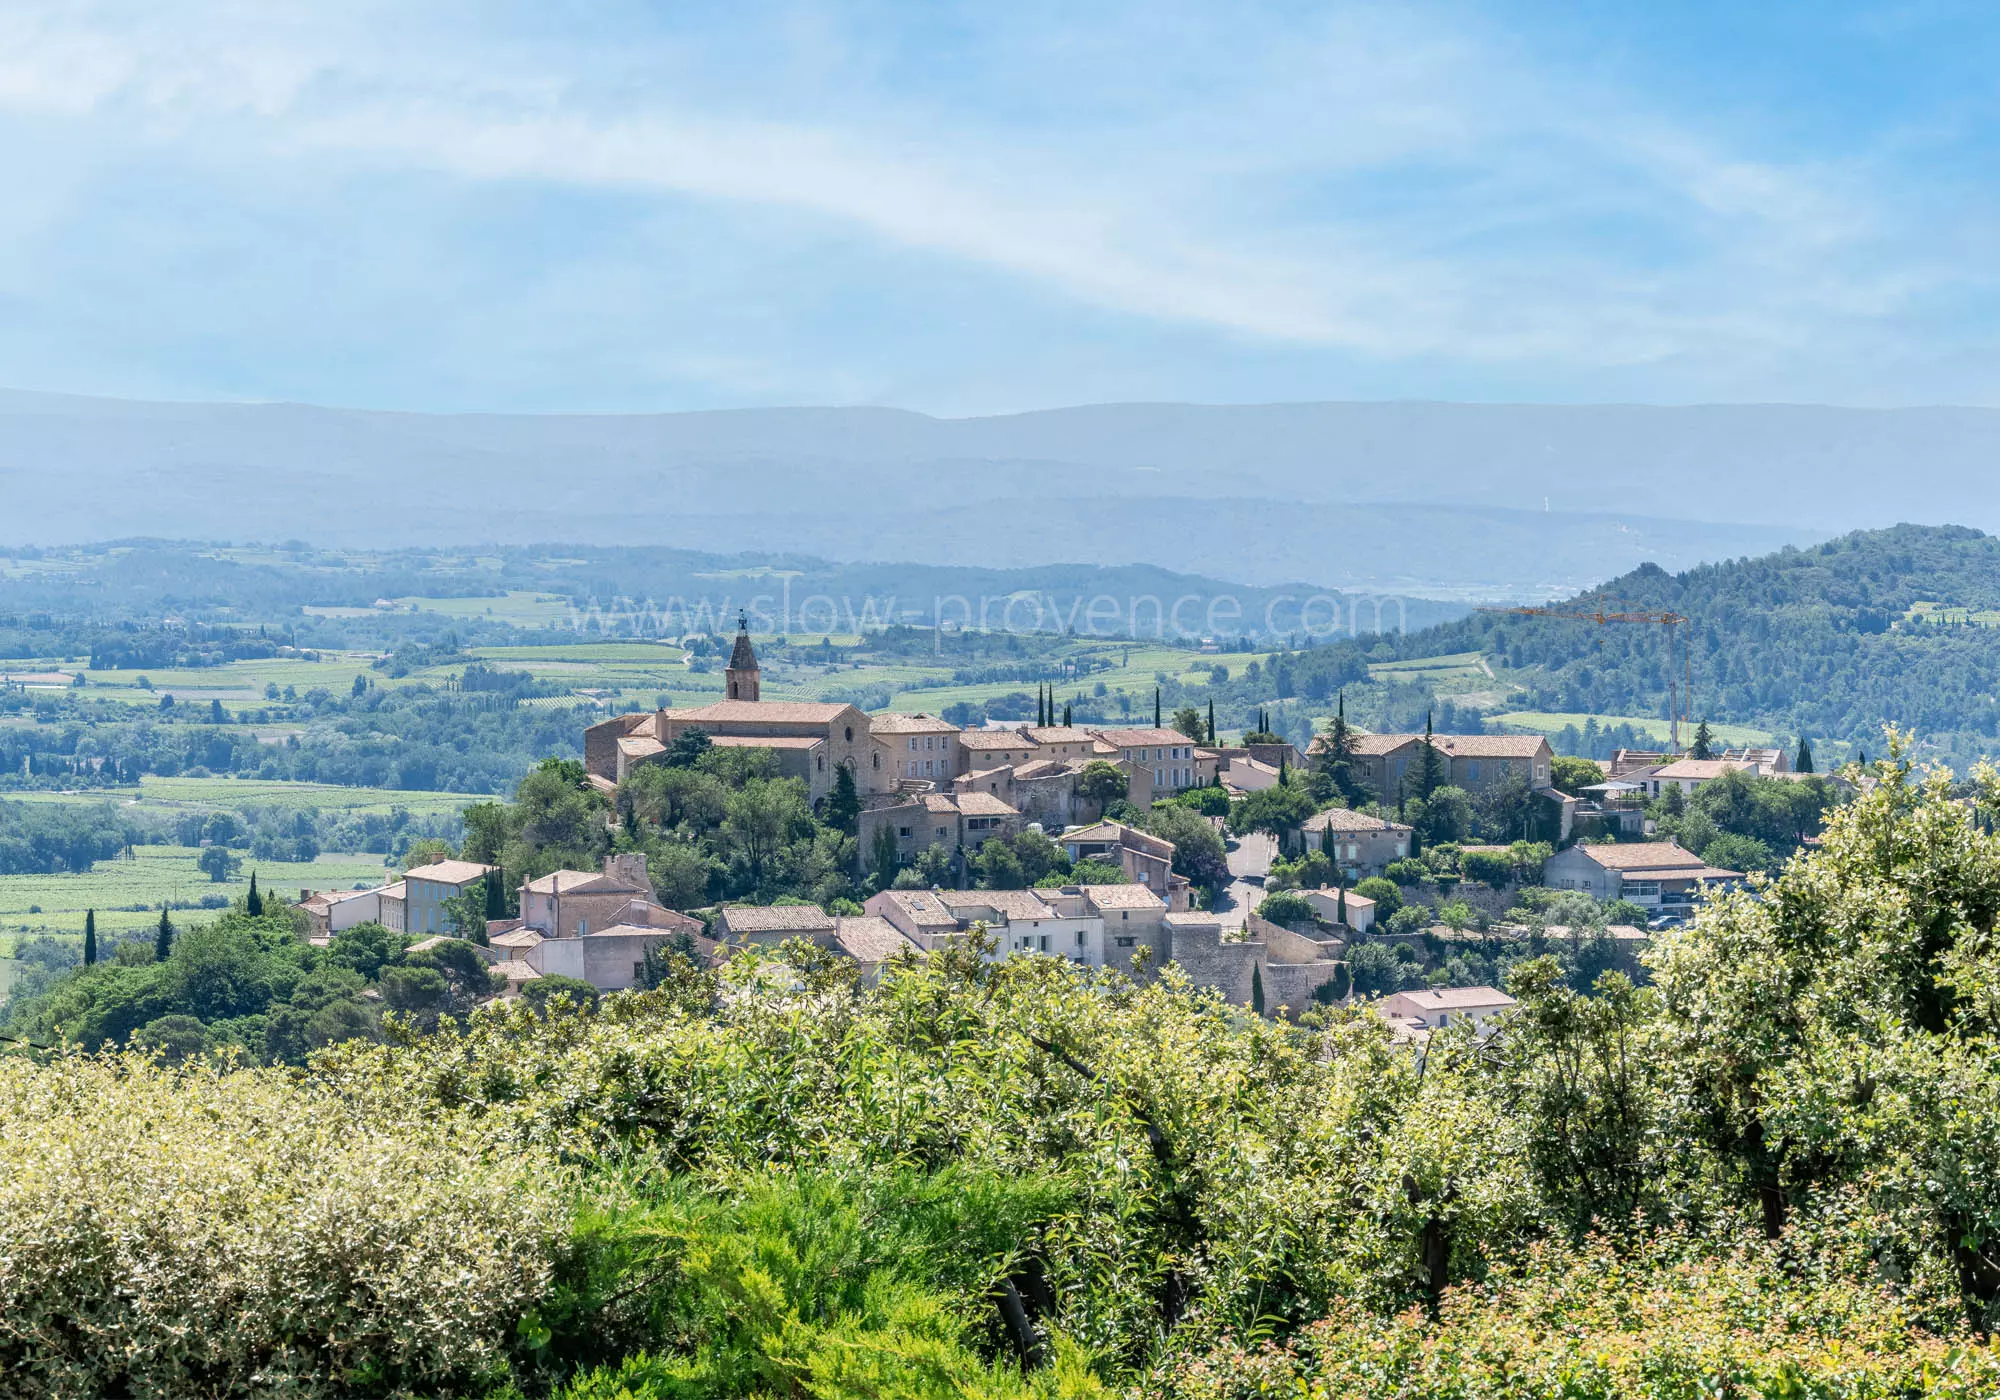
x=1277 y=877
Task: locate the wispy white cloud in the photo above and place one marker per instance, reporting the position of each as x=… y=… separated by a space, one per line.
x=1391 y=184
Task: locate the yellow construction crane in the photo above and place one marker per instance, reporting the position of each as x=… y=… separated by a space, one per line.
x=1680 y=692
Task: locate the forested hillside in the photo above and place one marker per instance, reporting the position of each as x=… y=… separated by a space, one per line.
x=1883 y=626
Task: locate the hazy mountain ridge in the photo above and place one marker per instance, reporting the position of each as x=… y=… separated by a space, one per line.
x=889 y=482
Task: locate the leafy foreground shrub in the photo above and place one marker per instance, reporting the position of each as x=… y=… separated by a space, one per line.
x=1590 y=1325
x=829 y=1286
x=209 y=1234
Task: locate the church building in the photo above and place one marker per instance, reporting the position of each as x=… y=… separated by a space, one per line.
x=811 y=739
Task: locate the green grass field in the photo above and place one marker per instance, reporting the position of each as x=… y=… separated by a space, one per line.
x=157 y=874
x=234 y=794
x=1544 y=722
x=517 y=608
x=1465 y=665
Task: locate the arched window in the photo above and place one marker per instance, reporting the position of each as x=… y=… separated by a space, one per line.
x=850 y=733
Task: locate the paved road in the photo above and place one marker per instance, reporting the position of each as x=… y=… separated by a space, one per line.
x=1249 y=862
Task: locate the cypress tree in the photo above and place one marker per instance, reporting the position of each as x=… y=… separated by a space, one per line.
x=163 y=937
x=1069 y=717
x=1211 y=719
x=89 y=937
x=1156 y=707
x=496 y=895
x=1804 y=762
x=1343 y=904
x=1326 y=844
x=1257 y=988
x=1704 y=742
x=1430 y=775
x=254 y=903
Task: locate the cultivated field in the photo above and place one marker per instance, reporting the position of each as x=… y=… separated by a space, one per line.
x=1546 y=722
x=156 y=874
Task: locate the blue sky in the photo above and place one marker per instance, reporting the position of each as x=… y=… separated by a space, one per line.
x=966 y=209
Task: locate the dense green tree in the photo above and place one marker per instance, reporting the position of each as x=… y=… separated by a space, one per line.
x=843 y=804
x=163 y=937
x=1704 y=742
x=1101 y=783
x=217 y=863
x=89 y=937
x=253 y=902
x=1803 y=761
x=1198 y=850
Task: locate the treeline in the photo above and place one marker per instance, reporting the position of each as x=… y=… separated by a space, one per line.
x=416 y=738
x=38 y=839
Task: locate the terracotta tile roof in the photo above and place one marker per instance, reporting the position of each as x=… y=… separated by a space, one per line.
x=869 y=938
x=996 y=739
x=1701 y=770
x=984 y=804
x=1013 y=904
x=776 y=918
x=581 y=882
x=518 y=938
x=1643 y=855
x=1376 y=745
x=516 y=971
x=919 y=723
x=1492 y=745
x=449 y=872
x=1057 y=734
x=760 y=712
x=923 y=907
x=640 y=746
x=1342 y=819
x=1459 y=998
x=940 y=803
x=1122 y=897
x=1143 y=738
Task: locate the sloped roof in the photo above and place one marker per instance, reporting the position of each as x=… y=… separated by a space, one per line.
x=996 y=739
x=919 y=723
x=581 y=882
x=1122 y=897
x=1491 y=745
x=1344 y=819
x=1014 y=904
x=1643 y=855
x=1143 y=738
x=1375 y=745
x=450 y=872
x=869 y=938
x=923 y=906
x=760 y=712
x=1701 y=770
x=743 y=656
x=776 y=918
x=1460 y=998
x=984 y=804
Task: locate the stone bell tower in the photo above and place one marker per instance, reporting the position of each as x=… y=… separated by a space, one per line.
x=742 y=674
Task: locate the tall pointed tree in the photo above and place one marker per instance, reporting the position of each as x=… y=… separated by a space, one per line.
x=1431 y=773
x=163 y=937
x=1156 y=707
x=1069 y=716
x=254 y=901
x=1704 y=742
x=1211 y=719
x=1803 y=763
x=89 y=937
